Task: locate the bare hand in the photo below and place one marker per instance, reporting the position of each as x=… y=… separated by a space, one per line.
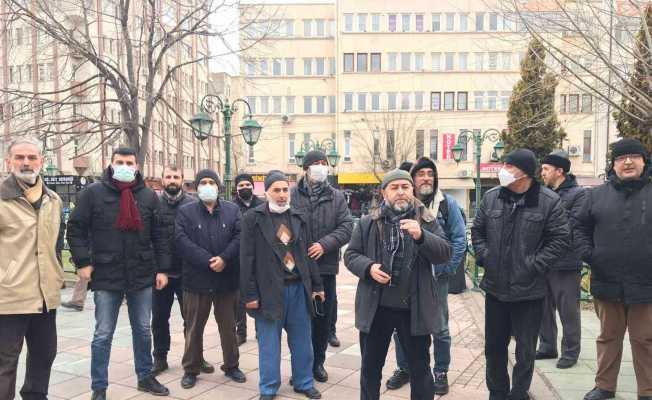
x=161 y=281
x=252 y=305
x=378 y=275
x=322 y=295
x=217 y=264
x=315 y=251
x=85 y=273
x=412 y=227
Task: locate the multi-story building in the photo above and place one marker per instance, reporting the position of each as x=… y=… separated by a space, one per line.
x=391 y=81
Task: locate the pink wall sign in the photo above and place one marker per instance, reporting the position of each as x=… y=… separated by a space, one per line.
x=448 y=143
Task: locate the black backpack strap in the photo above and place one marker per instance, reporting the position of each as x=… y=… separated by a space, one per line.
x=443 y=209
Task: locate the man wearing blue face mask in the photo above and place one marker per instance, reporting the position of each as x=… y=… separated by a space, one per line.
x=120 y=246
x=330 y=226
x=207 y=237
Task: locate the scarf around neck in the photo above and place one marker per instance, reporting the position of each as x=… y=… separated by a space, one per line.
x=394 y=236
x=33 y=193
x=129 y=216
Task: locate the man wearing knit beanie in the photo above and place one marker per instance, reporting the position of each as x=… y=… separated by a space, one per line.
x=613 y=235
x=563 y=280
x=520 y=231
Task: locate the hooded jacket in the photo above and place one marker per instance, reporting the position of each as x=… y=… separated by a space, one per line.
x=573 y=197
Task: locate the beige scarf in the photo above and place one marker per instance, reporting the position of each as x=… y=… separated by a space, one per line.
x=34 y=193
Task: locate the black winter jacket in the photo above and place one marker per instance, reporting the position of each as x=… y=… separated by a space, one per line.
x=168 y=213
x=261 y=272
x=615 y=235
x=365 y=249
x=330 y=223
x=517 y=243
x=201 y=236
x=573 y=198
x=255 y=202
x=122 y=261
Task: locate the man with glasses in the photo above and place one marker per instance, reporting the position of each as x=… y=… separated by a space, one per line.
x=614 y=234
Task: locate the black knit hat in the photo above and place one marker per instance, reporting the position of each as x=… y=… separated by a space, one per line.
x=313 y=156
x=558 y=159
x=274 y=176
x=406 y=166
x=243 y=177
x=207 y=173
x=523 y=159
x=628 y=146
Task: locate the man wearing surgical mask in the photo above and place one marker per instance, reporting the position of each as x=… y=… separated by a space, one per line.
x=330 y=225
x=207 y=235
x=520 y=231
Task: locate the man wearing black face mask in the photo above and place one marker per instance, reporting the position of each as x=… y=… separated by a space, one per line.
x=246 y=200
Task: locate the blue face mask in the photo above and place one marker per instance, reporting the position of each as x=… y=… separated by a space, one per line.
x=124 y=173
x=207 y=193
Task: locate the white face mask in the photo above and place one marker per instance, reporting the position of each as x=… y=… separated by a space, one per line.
x=207 y=193
x=318 y=173
x=124 y=173
x=275 y=208
x=506 y=178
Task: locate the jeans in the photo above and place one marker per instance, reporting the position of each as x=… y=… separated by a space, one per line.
x=441 y=341
x=321 y=326
x=296 y=322
x=107 y=308
x=162 y=302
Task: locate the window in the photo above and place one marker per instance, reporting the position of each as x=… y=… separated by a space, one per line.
x=320 y=66
x=321 y=104
x=492 y=99
x=462 y=101
x=504 y=99
x=264 y=105
x=507 y=61
x=289 y=27
x=347 y=145
x=586 y=151
x=418 y=101
x=573 y=103
x=464 y=22
x=362 y=22
x=362 y=102
x=390 y=145
x=418 y=61
x=436 y=62
x=289 y=66
x=562 y=103
x=307 y=66
x=393 y=58
x=332 y=28
x=276 y=67
x=586 y=103
x=479 y=22
x=362 y=62
x=332 y=105
x=436 y=22
x=252 y=104
x=291 y=151
x=276 y=104
x=420 y=142
x=419 y=22
x=348 y=22
x=307 y=27
x=478 y=98
x=27 y=73
x=252 y=157
x=375 y=62
x=14 y=73
x=375 y=22
x=463 y=61
x=289 y=105
x=376 y=137
x=405 y=101
x=493 y=61
x=321 y=27
x=375 y=102
x=332 y=66
x=450 y=57
x=251 y=68
x=479 y=61
x=493 y=22
x=449 y=101
x=405 y=62
x=434 y=133
x=391 y=22
x=435 y=101
x=450 y=22
x=263 y=67
x=348 y=62
x=348 y=102
x=307 y=104
x=405 y=22
x=391 y=101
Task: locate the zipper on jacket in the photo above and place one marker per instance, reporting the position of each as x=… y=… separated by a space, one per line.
x=643 y=211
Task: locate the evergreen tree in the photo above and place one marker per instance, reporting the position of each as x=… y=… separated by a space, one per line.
x=631 y=121
x=531 y=118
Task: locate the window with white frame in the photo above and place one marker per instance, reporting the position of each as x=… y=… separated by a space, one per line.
x=320 y=65
x=450 y=60
x=348 y=62
x=362 y=22
x=391 y=22
x=479 y=61
x=347 y=145
x=276 y=104
x=348 y=22
x=289 y=27
x=436 y=61
x=492 y=96
x=251 y=67
x=479 y=22
x=307 y=104
x=332 y=105
x=493 y=22
x=587 y=103
x=361 y=62
x=391 y=101
x=507 y=61
x=289 y=105
x=375 y=101
x=252 y=156
x=252 y=104
x=320 y=28
x=362 y=102
x=450 y=22
x=307 y=27
x=418 y=101
x=418 y=61
x=478 y=100
x=504 y=99
x=435 y=101
x=434 y=136
x=392 y=61
x=321 y=104
x=406 y=59
x=332 y=65
x=449 y=101
x=405 y=22
x=405 y=101
x=586 y=148
x=418 y=22
x=463 y=61
x=264 y=104
x=462 y=101
x=289 y=66
x=436 y=22
x=375 y=62
x=263 y=67
x=276 y=67
x=348 y=102
x=464 y=22
x=307 y=66
x=291 y=150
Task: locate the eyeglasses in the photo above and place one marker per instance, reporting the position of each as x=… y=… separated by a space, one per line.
x=631 y=157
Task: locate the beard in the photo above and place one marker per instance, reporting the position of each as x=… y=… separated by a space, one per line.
x=425 y=190
x=28 y=176
x=401 y=206
x=172 y=190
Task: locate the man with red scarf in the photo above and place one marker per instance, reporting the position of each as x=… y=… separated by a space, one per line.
x=120 y=246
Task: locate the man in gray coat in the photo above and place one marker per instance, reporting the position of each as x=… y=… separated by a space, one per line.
x=392 y=252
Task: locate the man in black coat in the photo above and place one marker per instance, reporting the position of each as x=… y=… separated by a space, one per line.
x=207 y=236
x=615 y=227
x=279 y=284
x=330 y=224
x=520 y=231
x=120 y=246
x=392 y=251
x=246 y=200
x=563 y=279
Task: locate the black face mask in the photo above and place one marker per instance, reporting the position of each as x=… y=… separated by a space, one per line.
x=172 y=190
x=245 y=194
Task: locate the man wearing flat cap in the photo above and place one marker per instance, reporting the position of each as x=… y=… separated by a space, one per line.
x=615 y=227
x=563 y=279
x=392 y=251
x=520 y=231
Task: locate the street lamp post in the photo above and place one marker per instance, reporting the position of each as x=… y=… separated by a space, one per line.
x=478 y=137
x=327 y=146
x=202 y=126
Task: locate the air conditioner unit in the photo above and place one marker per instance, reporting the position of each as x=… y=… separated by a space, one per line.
x=465 y=173
x=574 y=151
x=285 y=119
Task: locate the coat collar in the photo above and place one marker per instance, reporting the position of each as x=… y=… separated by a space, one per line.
x=10 y=190
x=531 y=196
x=422 y=213
x=569 y=182
x=302 y=187
x=267 y=227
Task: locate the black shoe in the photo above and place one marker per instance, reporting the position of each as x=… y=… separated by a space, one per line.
x=545 y=356
x=398 y=380
x=565 y=363
x=599 y=394
x=99 y=394
x=291 y=382
x=206 y=368
x=311 y=393
x=72 y=306
x=319 y=373
x=242 y=339
x=267 y=396
x=188 y=381
x=441 y=383
x=497 y=396
x=236 y=375
x=644 y=397
x=160 y=365
x=152 y=386
x=333 y=340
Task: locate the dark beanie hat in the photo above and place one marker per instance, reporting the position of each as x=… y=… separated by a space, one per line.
x=206 y=173
x=558 y=159
x=628 y=146
x=523 y=159
x=274 y=176
x=243 y=177
x=406 y=166
x=423 y=162
x=313 y=156
x=395 y=175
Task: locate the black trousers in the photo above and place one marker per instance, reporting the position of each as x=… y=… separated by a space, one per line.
x=374 y=346
x=321 y=326
x=240 y=318
x=503 y=320
x=162 y=301
x=564 y=297
x=333 y=329
x=39 y=331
